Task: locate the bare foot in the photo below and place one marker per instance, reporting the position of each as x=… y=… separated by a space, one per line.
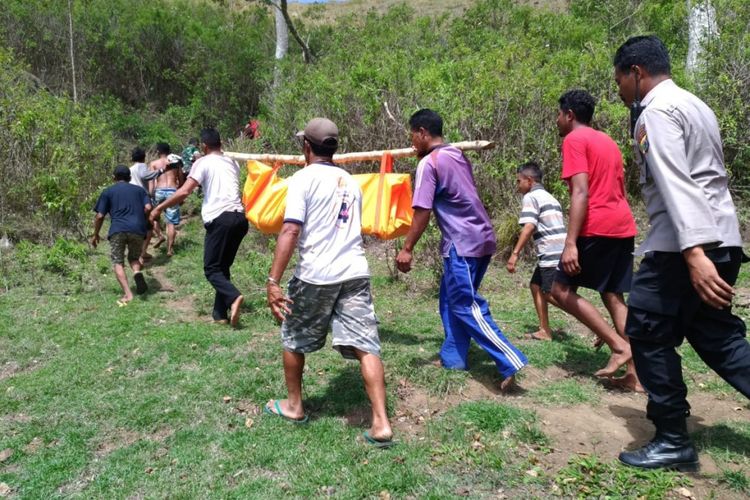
x=615 y=362
x=159 y=242
x=170 y=253
x=508 y=385
x=539 y=335
x=234 y=312
x=628 y=382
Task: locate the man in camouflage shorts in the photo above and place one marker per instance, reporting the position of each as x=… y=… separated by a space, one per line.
x=127 y=206
x=331 y=284
x=346 y=307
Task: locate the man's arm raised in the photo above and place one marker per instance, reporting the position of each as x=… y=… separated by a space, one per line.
x=177 y=198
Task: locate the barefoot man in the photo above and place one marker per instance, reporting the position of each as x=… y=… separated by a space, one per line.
x=331 y=284
x=598 y=251
x=223 y=217
x=445 y=184
x=165 y=186
x=127 y=206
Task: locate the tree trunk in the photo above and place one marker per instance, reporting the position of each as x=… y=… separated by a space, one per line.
x=282 y=43
x=306 y=52
x=72 y=55
x=701 y=28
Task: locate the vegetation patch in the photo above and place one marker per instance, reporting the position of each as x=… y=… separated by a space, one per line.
x=592 y=477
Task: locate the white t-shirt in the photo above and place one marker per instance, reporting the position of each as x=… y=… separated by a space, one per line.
x=219 y=176
x=137 y=172
x=327 y=202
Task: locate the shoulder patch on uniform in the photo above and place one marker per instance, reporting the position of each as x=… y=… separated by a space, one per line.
x=642 y=139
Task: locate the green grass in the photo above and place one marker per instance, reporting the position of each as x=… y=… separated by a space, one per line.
x=735 y=480
x=571 y=391
x=101 y=401
x=592 y=477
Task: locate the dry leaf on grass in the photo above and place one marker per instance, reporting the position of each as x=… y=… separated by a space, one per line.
x=5 y=490
x=249 y=422
x=6 y=454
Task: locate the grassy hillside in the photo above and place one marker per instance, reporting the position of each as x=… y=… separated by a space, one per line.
x=153 y=400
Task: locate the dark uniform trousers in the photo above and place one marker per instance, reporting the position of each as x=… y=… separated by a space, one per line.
x=223 y=237
x=664 y=309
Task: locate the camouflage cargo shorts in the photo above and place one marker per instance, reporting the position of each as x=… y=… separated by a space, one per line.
x=345 y=307
x=118 y=242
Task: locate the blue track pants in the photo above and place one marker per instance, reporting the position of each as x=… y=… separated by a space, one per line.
x=466 y=315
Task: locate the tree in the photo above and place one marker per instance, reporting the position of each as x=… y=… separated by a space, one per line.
x=702 y=27
x=282 y=8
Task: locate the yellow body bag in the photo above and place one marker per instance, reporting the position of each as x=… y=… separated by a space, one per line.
x=386 y=199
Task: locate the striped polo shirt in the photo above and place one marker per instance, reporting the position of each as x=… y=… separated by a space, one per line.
x=543 y=210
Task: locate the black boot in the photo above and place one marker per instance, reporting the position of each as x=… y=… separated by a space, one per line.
x=670 y=448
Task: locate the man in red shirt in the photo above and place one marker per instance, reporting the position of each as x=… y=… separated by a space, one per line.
x=598 y=252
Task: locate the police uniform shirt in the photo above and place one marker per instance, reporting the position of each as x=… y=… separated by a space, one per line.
x=683 y=180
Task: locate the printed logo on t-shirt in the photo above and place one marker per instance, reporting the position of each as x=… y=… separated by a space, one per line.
x=344 y=196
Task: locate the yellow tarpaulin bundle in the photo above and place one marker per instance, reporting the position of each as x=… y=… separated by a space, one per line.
x=386 y=199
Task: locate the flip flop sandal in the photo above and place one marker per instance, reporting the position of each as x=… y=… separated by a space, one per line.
x=279 y=413
x=378 y=443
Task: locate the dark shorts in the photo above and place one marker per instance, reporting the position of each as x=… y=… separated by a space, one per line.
x=606 y=264
x=119 y=242
x=543 y=276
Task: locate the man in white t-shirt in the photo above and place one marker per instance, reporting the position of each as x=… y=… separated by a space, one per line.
x=331 y=283
x=223 y=217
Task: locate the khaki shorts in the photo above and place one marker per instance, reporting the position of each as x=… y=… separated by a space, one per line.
x=345 y=307
x=119 y=241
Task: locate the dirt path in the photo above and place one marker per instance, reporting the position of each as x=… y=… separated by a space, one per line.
x=182 y=305
x=618 y=421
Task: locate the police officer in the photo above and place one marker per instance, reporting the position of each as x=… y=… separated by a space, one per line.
x=692 y=254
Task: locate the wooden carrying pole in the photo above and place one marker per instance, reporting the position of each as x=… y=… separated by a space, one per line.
x=354 y=157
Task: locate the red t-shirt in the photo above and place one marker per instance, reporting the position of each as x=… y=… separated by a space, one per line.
x=585 y=150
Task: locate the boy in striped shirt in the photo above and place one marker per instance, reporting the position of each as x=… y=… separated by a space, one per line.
x=542 y=217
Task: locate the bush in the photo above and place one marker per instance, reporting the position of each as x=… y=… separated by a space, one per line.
x=56 y=154
x=64 y=256
x=153 y=70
